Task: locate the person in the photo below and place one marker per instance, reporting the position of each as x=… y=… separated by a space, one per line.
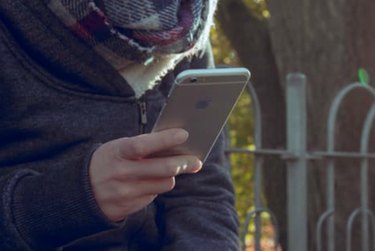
x=82 y=83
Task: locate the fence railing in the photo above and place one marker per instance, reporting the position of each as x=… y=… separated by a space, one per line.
x=297 y=157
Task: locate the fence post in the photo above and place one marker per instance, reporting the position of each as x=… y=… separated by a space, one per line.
x=297 y=163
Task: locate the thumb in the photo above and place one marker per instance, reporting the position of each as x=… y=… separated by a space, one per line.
x=143 y=145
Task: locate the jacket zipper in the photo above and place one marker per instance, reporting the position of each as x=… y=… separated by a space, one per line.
x=143 y=115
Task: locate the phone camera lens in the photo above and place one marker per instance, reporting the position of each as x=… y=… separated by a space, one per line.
x=193 y=80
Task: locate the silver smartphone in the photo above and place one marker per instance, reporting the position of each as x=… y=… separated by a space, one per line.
x=200 y=102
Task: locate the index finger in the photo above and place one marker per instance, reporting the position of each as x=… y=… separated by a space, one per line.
x=143 y=145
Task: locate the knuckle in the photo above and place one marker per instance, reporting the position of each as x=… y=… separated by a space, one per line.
x=121 y=172
x=115 y=150
x=124 y=193
x=137 y=147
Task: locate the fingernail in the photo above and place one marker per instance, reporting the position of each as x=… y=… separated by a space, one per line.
x=198 y=166
x=181 y=135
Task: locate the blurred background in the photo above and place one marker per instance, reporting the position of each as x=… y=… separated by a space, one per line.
x=333 y=43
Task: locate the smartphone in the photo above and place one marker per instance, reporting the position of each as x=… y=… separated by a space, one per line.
x=200 y=102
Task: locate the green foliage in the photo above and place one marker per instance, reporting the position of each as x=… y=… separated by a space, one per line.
x=363 y=76
x=258 y=7
x=241 y=130
x=223 y=52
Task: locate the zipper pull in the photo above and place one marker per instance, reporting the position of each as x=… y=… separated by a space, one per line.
x=143 y=113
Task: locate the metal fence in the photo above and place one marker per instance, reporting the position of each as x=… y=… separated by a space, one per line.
x=297 y=157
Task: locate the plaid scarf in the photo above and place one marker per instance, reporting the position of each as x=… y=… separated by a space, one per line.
x=138 y=33
x=168 y=24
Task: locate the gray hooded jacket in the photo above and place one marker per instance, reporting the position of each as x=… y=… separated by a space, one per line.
x=58 y=101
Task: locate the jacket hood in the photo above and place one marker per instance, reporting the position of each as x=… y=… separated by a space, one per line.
x=48 y=42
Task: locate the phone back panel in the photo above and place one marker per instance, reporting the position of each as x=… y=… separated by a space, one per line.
x=202 y=109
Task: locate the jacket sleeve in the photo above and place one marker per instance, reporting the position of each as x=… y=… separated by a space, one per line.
x=41 y=210
x=199 y=213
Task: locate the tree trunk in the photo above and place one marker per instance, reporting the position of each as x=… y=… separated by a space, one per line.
x=250 y=38
x=328 y=41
